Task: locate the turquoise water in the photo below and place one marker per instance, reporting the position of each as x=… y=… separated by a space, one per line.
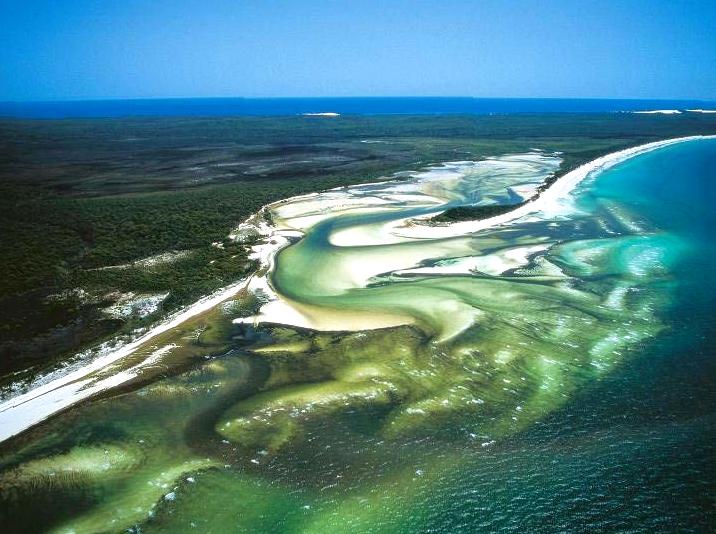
x=591 y=398
x=635 y=451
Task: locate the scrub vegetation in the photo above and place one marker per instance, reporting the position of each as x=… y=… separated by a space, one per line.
x=84 y=202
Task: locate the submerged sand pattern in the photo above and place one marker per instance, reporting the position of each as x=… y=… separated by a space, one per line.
x=368 y=332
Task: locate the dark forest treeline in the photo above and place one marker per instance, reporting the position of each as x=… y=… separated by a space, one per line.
x=78 y=195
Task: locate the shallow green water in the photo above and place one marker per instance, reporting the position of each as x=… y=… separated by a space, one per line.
x=579 y=395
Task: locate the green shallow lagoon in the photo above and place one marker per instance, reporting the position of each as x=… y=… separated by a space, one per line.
x=579 y=397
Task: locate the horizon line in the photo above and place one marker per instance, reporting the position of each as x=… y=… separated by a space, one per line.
x=442 y=97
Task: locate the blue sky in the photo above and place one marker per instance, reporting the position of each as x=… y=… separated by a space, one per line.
x=78 y=49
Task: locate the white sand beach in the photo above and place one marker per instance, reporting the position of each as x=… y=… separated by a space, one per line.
x=52 y=393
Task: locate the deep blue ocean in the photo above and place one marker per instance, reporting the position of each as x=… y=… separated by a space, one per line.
x=178 y=107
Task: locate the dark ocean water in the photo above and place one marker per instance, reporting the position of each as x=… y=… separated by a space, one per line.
x=350 y=106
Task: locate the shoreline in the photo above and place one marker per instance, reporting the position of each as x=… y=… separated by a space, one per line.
x=49 y=398
x=550 y=197
x=51 y=395
x=77 y=384
x=283 y=309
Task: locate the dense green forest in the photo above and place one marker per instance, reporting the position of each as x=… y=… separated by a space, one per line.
x=82 y=202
